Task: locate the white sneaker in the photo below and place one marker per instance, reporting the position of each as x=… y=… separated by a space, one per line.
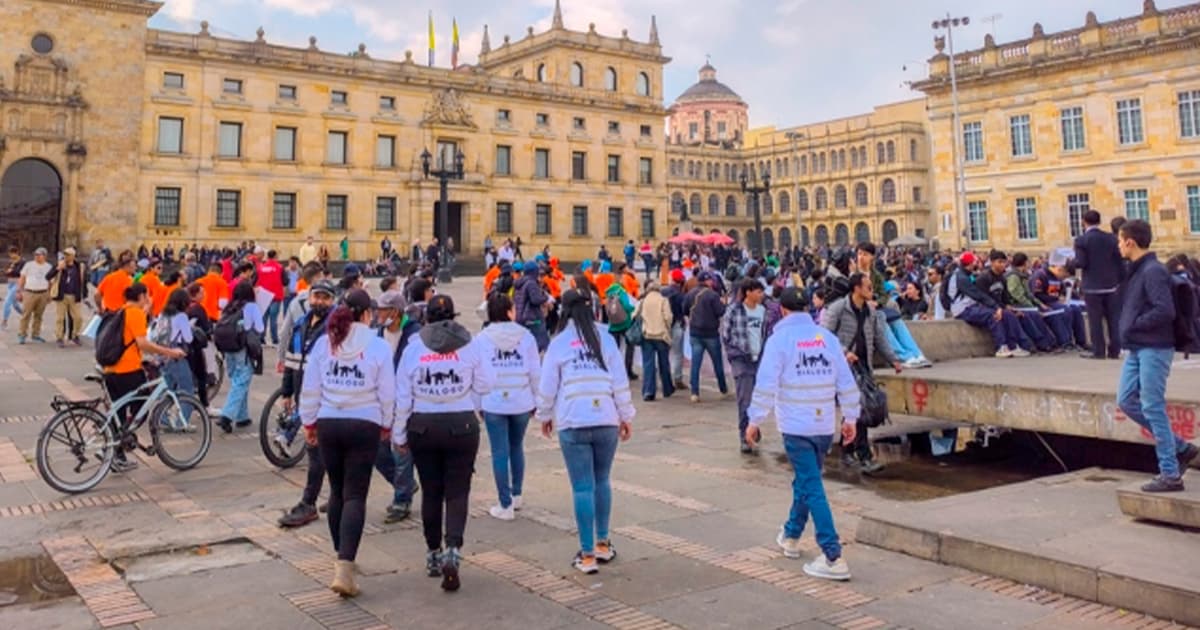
x=790 y=546
x=826 y=570
x=913 y=363
x=1004 y=353
x=925 y=363
x=502 y=513
x=1020 y=353
x=695 y=398
x=517 y=502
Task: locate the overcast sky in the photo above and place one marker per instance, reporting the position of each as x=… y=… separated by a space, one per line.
x=793 y=61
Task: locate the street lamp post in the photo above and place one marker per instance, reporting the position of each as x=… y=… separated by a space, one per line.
x=960 y=186
x=750 y=185
x=444 y=175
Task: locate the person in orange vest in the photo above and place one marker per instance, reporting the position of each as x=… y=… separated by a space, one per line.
x=110 y=293
x=629 y=280
x=604 y=279
x=151 y=277
x=489 y=278
x=216 y=291
x=174 y=281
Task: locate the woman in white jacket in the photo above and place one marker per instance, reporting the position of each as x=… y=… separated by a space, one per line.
x=347 y=404
x=593 y=407
x=510 y=352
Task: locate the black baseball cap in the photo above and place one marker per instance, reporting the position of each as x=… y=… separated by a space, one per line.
x=793 y=299
x=358 y=300
x=440 y=308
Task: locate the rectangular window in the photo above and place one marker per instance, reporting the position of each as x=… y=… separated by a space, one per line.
x=542 y=120
x=283 y=211
x=1193 y=202
x=170 y=135
x=338 y=97
x=285 y=144
x=286 y=92
x=229 y=208
x=1077 y=205
x=721 y=130
x=1129 y=121
x=916 y=194
x=646 y=170
x=647 y=131
x=977 y=220
x=614 y=128
x=385 y=214
x=693 y=129
x=447 y=151
x=387 y=103
x=1027 y=222
x=167 y=206
x=578 y=123
x=385 y=151
x=335 y=148
x=503 y=160
x=1073 y=138
x=504 y=217
x=1189 y=114
x=578 y=165
x=542 y=223
x=1137 y=204
x=1022 y=141
x=648 y=223
x=173 y=80
x=231 y=86
x=616 y=222
x=503 y=117
x=335 y=212
x=230 y=140
x=541 y=163
x=973 y=141
x=579 y=221
x=614 y=169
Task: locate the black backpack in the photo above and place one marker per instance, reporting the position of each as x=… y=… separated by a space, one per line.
x=229 y=334
x=1187 y=316
x=110 y=339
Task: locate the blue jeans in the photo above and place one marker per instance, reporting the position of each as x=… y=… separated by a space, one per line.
x=237 y=404
x=711 y=345
x=901 y=340
x=397 y=468
x=656 y=364
x=538 y=330
x=506 y=433
x=589 y=456
x=1142 y=395
x=178 y=374
x=807 y=455
x=10 y=300
x=271 y=320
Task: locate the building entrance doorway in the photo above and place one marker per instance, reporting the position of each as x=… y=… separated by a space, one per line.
x=30 y=206
x=454 y=223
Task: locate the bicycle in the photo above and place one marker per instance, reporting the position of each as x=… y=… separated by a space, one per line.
x=92 y=431
x=279 y=431
x=216 y=375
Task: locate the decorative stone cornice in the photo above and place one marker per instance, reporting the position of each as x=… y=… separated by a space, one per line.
x=137 y=7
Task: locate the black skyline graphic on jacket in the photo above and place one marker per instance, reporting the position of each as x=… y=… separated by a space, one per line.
x=428 y=377
x=337 y=370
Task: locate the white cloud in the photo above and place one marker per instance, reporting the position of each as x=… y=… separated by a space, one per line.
x=181 y=10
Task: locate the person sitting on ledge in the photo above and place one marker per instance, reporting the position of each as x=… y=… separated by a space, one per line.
x=969 y=303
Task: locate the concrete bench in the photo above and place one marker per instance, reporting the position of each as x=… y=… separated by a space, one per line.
x=949 y=339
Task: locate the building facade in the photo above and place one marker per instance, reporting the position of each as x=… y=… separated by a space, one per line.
x=1103 y=117
x=201 y=139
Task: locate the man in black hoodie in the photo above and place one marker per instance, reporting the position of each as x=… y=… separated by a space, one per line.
x=1147 y=332
x=704 y=310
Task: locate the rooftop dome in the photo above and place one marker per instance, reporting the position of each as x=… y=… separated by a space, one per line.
x=709 y=89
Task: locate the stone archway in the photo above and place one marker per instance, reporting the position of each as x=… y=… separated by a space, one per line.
x=30 y=206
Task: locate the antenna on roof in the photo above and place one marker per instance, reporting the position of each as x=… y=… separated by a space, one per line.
x=992 y=19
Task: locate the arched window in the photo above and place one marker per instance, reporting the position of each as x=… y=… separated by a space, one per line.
x=804 y=165
x=752 y=239
x=768 y=241
x=643 y=84
x=708 y=171
x=787 y=168
x=891 y=151
x=839 y=196
x=802 y=200
x=726 y=172
x=694 y=205
x=912 y=150
x=822 y=198
x=860 y=194
x=804 y=240
x=768 y=204
x=541 y=73
x=749 y=206
x=785 y=238
x=691 y=169
x=853 y=157
x=785 y=203
x=879 y=153
x=862 y=233
x=862 y=156
x=887 y=191
x=778 y=167
x=822 y=235
x=677 y=203
x=841 y=235
x=610 y=80
x=821 y=168
x=733 y=234
x=889 y=231
x=577 y=74
x=714 y=205
x=731 y=206
x=842 y=159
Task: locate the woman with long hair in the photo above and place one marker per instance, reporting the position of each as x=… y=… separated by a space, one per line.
x=174 y=330
x=442 y=375
x=237 y=363
x=585 y=391
x=197 y=360
x=511 y=353
x=347 y=404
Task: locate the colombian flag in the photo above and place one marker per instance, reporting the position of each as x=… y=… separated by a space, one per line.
x=454 y=46
x=431 y=39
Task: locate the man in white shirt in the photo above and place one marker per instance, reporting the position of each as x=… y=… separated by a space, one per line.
x=33 y=291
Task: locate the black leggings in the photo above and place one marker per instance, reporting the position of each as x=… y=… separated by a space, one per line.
x=348 y=447
x=443 y=449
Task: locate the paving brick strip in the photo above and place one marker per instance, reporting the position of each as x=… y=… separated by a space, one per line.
x=1071 y=607
x=23 y=419
x=106 y=595
x=332 y=611
x=77 y=503
x=13 y=466
x=567 y=593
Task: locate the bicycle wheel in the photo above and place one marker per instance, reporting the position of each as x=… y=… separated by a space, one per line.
x=279 y=432
x=180 y=430
x=75 y=450
x=216 y=377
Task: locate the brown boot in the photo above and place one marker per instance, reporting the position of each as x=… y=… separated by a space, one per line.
x=343 y=579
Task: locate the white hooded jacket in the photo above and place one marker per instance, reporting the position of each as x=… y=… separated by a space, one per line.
x=356 y=382
x=575 y=391
x=511 y=353
x=441 y=371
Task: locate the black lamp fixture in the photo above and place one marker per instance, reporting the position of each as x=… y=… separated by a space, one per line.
x=750 y=186
x=443 y=175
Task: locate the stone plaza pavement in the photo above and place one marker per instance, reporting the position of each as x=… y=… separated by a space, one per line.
x=694 y=523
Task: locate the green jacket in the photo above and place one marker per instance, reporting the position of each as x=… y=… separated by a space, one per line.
x=1018 y=289
x=623 y=295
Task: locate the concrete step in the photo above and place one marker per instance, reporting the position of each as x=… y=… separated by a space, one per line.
x=1176 y=508
x=1062 y=533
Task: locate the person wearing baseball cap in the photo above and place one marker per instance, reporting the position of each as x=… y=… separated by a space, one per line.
x=397 y=328
x=803 y=371
x=971 y=304
x=68 y=293
x=33 y=292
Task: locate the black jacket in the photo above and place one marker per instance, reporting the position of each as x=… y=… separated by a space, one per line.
x=674 y=296
x=1148 y=312
x=79 y=279
x=1096 y=253
x=411 y=328
x=995 y=285
x=704 y=310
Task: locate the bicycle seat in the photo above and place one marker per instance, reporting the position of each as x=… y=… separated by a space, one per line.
x=94 y=378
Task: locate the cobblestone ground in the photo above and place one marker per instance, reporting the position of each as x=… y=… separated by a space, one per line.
x=694 y=522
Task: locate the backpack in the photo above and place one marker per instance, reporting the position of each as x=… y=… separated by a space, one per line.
x=110 y=340
x=615 y=309
x=229 y=334
x=1187 y=316
x=872 y=398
